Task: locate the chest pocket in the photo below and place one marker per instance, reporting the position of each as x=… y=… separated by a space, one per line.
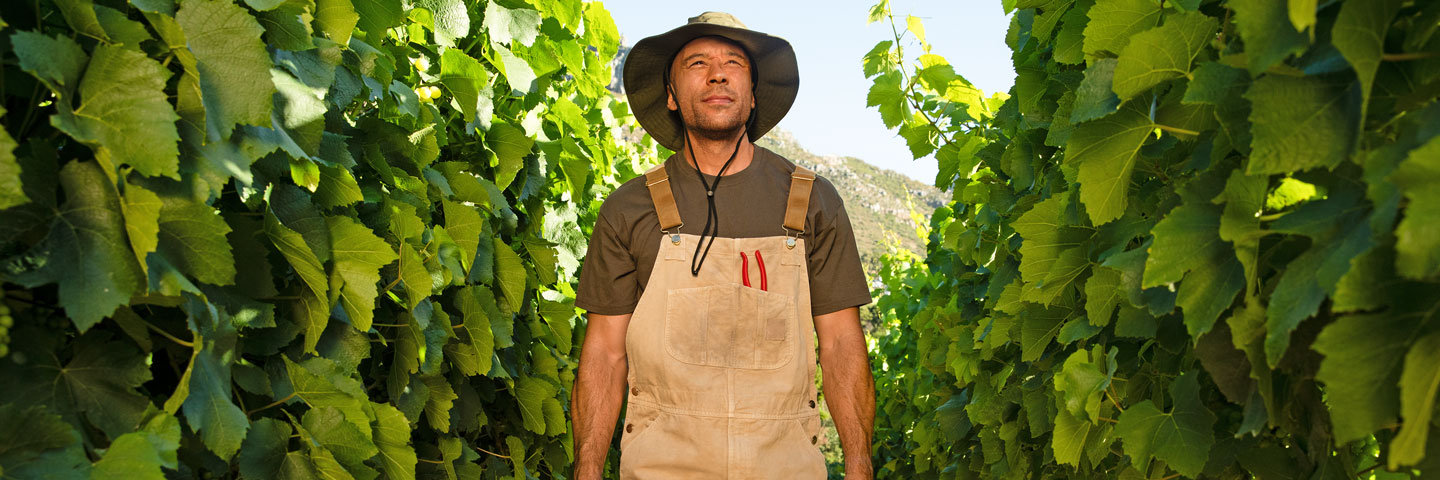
x=730 y=326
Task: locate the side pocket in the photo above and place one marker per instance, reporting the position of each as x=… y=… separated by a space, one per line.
x=638 y=420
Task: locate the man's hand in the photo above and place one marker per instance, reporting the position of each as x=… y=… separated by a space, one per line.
x=599 y=391
x=849 y=387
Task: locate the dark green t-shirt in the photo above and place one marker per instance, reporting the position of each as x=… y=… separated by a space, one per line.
x=750 y=203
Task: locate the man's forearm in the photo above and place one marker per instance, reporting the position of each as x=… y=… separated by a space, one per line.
x=595 y=405
x=850 y=395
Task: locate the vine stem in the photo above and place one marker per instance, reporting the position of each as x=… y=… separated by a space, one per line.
x=1404 y=57
x=436 y=462
x=1176 y=130
x=272 y=404
x=900 y=65
x=1106 y=420
x=168 y=335
x=492 y=453
x=1168 y=477
x=1111 y=396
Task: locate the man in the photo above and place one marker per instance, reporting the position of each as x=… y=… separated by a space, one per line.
x=710 y=279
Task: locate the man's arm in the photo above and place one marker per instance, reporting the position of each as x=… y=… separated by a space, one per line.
x=599 y=390
x=849 y=387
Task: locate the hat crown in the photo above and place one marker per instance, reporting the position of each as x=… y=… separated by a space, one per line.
x=717 y=18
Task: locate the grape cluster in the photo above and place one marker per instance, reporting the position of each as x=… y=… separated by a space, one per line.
x=6 y=321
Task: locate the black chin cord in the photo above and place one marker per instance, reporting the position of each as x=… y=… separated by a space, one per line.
x=712 y=217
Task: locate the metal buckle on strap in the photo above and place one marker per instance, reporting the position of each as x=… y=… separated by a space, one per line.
x=674 y=234
x=790 y=238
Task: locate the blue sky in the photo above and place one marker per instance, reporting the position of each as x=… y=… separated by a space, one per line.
x=830 y=116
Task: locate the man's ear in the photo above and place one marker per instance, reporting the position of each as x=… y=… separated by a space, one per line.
x=670 y=99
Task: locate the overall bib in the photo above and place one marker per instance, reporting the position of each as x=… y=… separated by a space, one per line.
x=721 y=374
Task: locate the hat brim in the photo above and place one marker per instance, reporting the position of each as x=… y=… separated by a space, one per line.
x=775 y=88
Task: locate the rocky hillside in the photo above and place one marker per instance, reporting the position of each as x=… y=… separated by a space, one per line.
x=875 y=198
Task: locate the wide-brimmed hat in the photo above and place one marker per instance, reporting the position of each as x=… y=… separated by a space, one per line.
x=772 y=60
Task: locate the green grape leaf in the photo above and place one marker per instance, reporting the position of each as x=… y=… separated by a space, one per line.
x=887 y=94
x=450 y=20
x=1417 y=242
x=466 y=79
x=1213 y=83
x=392 y=437
x=532 y=392
x=510 y=273
x=348 y=444
x=121 y=29
x=1069 y=44
x=600 y=31
x=1106 y=151
x=1070 y=436
x=1162 y=53
x=34 y=439
x=314 y=309
x=511 y=146
x=1268 y=33
x=1094 y=98
x=1039 y=328
x=123 y=112
x=132 y=455
x=477 y=315
x=288 y=25
x=192 y=238
x=1079 y=386
x=1418 y=387
x=90 y=258
x=1102 y=295
x=80 y=14
x=465 y=226
x=321 y=383
x=263 y=451
x=99 y=381
x=1300 y=123
x=57 y=61
x=359 y=254
x=141 y=208
x=439 y=403
x=1044 y=238
x=337 y=187
x=1361 y=371
x=1302 y=14
x=1359 y=34
x=376 y=16
x=1113 y=22
x=1185 y=238
x=336 y=19
x=1181 y=437
x=508 y=26
x=412 y=273
x=233 y=65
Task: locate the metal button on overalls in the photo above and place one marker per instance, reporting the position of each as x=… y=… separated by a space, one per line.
x=722 y=374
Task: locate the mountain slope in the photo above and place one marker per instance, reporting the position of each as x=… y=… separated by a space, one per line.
x=875 y=198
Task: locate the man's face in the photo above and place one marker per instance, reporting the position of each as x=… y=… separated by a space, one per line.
x=711 y=87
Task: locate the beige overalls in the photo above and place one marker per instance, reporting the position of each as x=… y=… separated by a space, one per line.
x=722 y=375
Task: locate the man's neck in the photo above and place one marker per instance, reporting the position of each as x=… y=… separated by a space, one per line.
x=711 y=154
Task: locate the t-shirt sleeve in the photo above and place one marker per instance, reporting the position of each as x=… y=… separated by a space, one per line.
x=609 y=282
x=837 y=280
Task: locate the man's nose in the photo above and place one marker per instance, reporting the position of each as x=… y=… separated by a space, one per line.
x=717 y=76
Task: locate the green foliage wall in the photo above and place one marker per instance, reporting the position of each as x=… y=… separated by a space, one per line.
x=298 y=238
x=1197 y=239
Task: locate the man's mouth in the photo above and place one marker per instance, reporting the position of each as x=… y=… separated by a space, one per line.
x=718 y=99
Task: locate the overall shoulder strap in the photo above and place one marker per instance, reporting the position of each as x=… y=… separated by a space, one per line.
x=659 y=184
x=801 y=183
